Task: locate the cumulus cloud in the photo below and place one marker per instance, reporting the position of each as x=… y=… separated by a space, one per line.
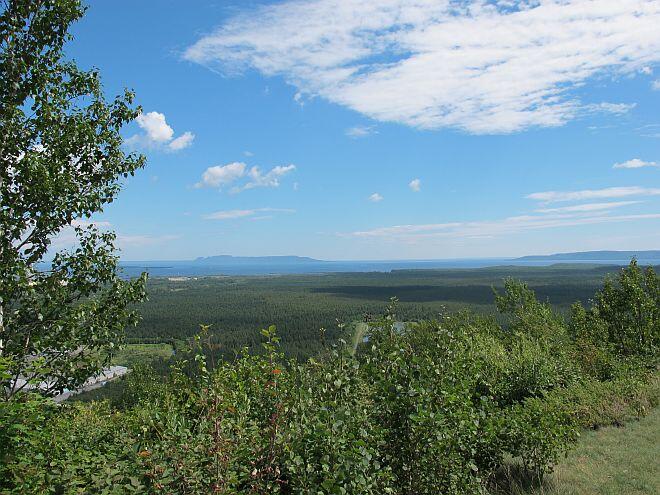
x=656 y=85
x=235 y=214
x=183 y=141
x=608 y=192
x=155 y=127
x=486 y=66
x=158 y=134
x=221 y=176
x=375 y=198
x=635 y=163
x=415 y=185
x=268 y=179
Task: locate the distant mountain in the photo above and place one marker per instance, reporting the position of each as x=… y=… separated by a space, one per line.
x=280 y=265
x=595 y=256
x=228 y=260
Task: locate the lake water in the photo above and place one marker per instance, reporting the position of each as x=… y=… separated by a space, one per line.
x=194 y=269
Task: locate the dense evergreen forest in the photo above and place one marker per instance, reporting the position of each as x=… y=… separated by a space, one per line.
x=300 y=305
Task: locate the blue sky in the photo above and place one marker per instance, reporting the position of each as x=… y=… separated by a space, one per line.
x=383 y=130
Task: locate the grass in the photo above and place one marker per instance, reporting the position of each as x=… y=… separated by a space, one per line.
x=134 y=354
x=361 y=329
x=609 y=461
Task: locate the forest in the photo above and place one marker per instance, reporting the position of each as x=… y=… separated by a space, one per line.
x=300 y=305
x=443 y=405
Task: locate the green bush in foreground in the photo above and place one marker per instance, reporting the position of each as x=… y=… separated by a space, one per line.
x=436 y=407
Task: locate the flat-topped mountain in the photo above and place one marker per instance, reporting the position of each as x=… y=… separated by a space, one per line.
x=226 y=259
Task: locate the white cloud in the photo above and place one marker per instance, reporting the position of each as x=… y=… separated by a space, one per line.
x=646 y=70
x=375 y=198
x=415 y=185
x=235 y=214
x=613 y=108
x=124 y=240
x=67 y=238
x=649 y=130
x=656 y=85
x=492 y=228
x=587 y=207
x=609 y=192
x=248 y=153
x=299 y=98
x=269 y=179
x=158 y=134
x=360 y=131
x=88 y=223
x=183 y=141
x=222 y=175
x=487 y=66
x=155 y=126
x=635 y=163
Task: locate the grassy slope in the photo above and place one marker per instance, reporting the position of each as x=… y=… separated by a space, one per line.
x=609 y=461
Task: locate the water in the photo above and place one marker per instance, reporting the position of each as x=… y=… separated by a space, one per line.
x=197 y=269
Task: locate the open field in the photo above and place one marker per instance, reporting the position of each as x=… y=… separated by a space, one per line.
x=133 y=354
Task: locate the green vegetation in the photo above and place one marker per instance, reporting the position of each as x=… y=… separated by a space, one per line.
x=133 y=355
x=140 y=358
x=299 y=305
x=607 y=461
x=438 y=406
x=447 y=403
x=62 y=161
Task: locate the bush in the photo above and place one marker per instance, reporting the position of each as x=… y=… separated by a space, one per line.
x=628 y=309
x=538 y=432
x=593 y=404
x=435 y=407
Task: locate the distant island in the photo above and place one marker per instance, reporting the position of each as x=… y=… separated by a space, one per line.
x=226 y=259
x=595 y=256
x=579 y=256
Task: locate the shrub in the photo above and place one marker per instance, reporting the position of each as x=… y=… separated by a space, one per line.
x=593 y=404
x=435 y=407
x=538 y=432
x=629 y=310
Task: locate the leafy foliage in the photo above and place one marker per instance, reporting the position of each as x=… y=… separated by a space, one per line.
x=629 y=309
x=61 y=156
x=434 y=406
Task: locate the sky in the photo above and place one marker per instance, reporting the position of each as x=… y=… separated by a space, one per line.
x=347 y=130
